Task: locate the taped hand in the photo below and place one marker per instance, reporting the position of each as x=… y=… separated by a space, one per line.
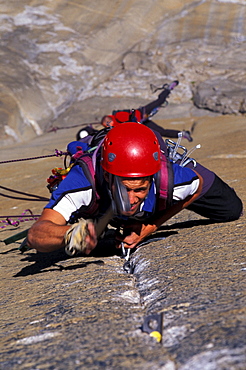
x=81 y=237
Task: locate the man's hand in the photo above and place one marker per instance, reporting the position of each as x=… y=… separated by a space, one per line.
x=134 y=234
x=80 y=237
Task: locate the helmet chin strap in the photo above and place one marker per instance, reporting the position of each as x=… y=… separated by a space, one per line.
x=119 y=195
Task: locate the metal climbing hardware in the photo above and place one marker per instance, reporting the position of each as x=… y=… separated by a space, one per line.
x=179 y=153
x=128 y=265
x=153 y=326
x=58 y=174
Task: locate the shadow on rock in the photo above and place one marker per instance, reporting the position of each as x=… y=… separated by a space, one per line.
x=187 y=224
x=10 y=251
x=106 y=247
x=46 y=262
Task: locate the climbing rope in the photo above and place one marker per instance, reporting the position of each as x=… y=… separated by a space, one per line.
x=58 y=153
x=16 y=219
x=8 y=220
x=55 y=128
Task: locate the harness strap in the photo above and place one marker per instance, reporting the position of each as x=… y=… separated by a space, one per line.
x=164 y=181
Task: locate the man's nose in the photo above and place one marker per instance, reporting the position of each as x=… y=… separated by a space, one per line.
x=132 y=197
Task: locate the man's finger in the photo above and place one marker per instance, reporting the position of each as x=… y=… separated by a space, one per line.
x=75 y=237
x=91 y=238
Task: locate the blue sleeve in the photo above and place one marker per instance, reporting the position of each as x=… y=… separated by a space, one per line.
x=186 y=182
x=72 y=193
x=183 y=175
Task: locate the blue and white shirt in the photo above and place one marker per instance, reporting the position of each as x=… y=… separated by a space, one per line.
x=75 y=191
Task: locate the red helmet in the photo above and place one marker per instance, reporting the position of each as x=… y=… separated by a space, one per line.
x=118 y=117
x=131 y=150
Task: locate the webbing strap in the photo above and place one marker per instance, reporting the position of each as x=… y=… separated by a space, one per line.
x=164 y=184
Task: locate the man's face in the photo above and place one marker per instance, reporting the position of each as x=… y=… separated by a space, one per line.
x=137 y=190
x=107 y=121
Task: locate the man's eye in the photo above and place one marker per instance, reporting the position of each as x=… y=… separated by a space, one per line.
x=136 y=190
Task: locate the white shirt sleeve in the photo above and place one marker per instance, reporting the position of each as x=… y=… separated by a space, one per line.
x=180 y=192
x=73 y=201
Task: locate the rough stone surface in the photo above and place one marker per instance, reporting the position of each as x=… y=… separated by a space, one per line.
x=58 y=56
x=86 y=312
x=67 y=63
x=221 y=96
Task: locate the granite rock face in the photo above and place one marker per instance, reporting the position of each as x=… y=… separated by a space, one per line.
x=65 y=313
x=59 y=58
x=222 y=96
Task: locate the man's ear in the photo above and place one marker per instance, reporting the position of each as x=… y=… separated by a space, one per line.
x=106 y=176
